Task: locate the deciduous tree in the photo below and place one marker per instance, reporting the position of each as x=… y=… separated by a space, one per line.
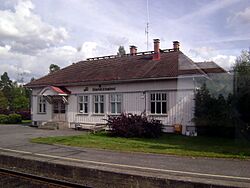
x=121 y=51
x=53 y=68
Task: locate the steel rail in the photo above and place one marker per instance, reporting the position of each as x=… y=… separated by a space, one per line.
x=47 y=180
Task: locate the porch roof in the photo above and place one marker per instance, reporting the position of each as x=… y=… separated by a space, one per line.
x=53 y=90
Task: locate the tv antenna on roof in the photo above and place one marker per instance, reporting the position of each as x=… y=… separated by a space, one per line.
x=147 y=25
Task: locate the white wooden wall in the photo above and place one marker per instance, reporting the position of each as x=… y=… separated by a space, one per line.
x=135 y=99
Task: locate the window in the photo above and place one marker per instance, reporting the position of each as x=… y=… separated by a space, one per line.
x=158 y=103
x=115 y=102
x=98 y=104
x=41 y=105
x=83 y=104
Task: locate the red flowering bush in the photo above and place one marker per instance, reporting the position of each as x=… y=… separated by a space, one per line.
x=129 y=125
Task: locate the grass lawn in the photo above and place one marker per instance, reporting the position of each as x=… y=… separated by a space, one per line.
x=167 y=144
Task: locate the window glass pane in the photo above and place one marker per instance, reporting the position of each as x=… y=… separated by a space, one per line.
x=119 y=98
x=152 y=107
x=86 y=108
x=101 y=98
x=158 y=96
x=62 y=107
x=119 y=107
x=101 y=107
x=80 y=107
x=40 y=107
x=164 y=96
x=112 y=107
x=112 y=98
x=158 y=107
x=55 y=105
x=85 y=98
x=164 y=107
x=96 y=98
x=44 y=107
x=152 y=97
x=80 y=98
x=96 y=108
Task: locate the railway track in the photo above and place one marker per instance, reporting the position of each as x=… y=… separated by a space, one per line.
x=12 y=179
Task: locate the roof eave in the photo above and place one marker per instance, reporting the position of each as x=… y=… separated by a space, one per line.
x=114 y=81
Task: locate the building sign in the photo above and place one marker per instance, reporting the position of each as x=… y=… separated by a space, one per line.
x=104 y=89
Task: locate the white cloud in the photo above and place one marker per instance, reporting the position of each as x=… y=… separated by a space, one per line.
x=210 y=54
x=240 y=17
x=32 y=36
x=207 y=9
x=25 y=31
x=203 y=52
x=37 y=65
x=88 y=49
x=224 y=61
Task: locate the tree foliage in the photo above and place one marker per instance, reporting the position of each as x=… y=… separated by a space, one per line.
x=121 y=51
x=21 y=98
x=6 y=86
x=242 y=91
x=212 y=111
x=232 y=110
x=213 y=114
x=3 y=101
x=13 y=97
x=53 y=68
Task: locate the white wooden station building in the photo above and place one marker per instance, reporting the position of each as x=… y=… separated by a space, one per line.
x=159 y=83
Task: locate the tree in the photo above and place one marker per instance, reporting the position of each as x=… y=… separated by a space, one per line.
x=213 y=115
x=3 y=101
x=5 y=81
x=21 y=98
x=32 y=79
x=121 y=51
x=53 y=68
x=6 y=86
x=242 y=92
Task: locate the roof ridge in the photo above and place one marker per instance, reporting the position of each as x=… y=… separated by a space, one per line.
x=128 y=55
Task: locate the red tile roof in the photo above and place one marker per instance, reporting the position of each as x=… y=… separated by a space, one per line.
x=60 y=90
x=128 y=68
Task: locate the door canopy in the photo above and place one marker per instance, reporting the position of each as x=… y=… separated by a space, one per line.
x=54 y=91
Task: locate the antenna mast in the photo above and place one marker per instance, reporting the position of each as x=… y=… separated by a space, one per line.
x=147 y=25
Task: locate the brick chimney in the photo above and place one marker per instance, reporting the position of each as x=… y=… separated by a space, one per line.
x=176 y=46
x=133 y=50
x=156 y=55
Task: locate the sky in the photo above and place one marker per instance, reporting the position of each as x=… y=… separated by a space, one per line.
x=35 y=33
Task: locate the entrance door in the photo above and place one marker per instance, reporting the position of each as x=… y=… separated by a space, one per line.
x=59 y=110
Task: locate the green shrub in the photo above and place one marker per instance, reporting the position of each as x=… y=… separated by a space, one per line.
x=3 y=118
x=14 y=118
x=10 y=119
x=134 y=126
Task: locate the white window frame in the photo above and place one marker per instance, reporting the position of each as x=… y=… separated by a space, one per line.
x=159 y=97
x=84 y=102
x=41 y=105
x=115 y=98
x=98 y=102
